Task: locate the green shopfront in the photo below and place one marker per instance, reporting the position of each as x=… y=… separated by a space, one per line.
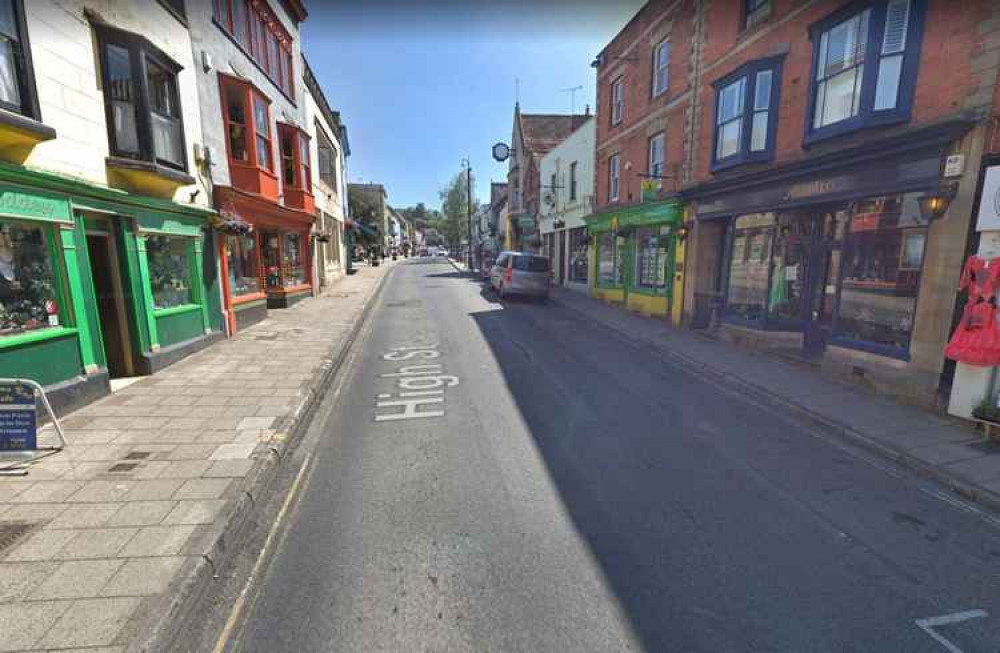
x=637 y=255
x=97 y=283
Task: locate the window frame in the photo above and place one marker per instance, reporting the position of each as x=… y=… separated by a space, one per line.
x=748 y=72
x=50 y=234
x=614 y=177
x=660 y=136
x=325 y=142
x=139 y=49
x=572 y=180
x=617 y=104
x=249 y=94
x=656 y=91
x=263 y=27
x=302 y=177
x=24 y=68
x=753 y=16
x=867 y=115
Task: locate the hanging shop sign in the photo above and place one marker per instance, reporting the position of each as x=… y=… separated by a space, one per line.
x=18 y=425
x=989 y=201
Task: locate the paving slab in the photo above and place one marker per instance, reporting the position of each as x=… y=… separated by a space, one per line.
x=147 y=474
x=90 y=622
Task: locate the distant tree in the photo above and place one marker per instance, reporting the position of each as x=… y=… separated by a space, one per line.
x=364 y=207
x=454 y=206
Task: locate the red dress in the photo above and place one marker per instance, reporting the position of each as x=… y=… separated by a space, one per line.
x=976 y=341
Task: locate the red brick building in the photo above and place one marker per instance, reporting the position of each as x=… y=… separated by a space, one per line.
x=804 y=138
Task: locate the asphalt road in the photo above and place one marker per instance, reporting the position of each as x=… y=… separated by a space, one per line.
x=579 y=494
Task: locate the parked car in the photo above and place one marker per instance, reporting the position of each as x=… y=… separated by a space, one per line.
x=518 y=273
x=443 y=252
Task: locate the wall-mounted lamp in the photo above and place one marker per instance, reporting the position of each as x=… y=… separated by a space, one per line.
x=683 y=230
x=934 y=205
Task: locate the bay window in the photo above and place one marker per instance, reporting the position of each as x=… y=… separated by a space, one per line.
x=247 y=117
x=28 y=283
x=17 y=84
x=142 y=103
x=864 y=66
x=296 y=170
x=745 y=114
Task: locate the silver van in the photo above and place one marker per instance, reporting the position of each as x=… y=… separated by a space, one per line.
x=518 y=273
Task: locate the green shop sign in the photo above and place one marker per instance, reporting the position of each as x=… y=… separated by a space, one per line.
x=669 y=212
x=16 y=203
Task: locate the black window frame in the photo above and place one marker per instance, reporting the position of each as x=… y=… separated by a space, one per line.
x=323 y=142
x=749 y=72
x=572 y=180
x=29 y=107
x=140 y=49
x=867 y=115
x=177 y=9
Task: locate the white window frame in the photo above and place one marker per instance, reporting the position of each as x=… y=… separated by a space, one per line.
x=655 y=167
x=614 y=177
x=661 y=68
x=618 y=100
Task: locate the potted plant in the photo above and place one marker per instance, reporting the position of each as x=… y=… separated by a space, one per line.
x=231 y=224
x=987 y=412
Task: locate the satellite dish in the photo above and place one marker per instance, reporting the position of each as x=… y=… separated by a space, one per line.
x=501 y=152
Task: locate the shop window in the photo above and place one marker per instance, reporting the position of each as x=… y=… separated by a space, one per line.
x=651 y=259
x=749 y=264
x=661 y=68
x=169 y=259
x=789 y=251
x=610 y=270
x=617 y=100
x=746 y=121
x=882 y=261
x=613 y=178
x=293 y=269
x=244 y=267
x=28 y=290
x=258 y=31
x=579 y=260
x=17 y=81
x=865 y=66
x=141 y=100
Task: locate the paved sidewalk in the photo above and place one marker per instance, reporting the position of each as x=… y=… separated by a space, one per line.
x=153 y=475
x=947 y=449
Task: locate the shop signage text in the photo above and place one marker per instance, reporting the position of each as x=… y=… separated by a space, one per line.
x=18 y=427
x=25 y=205
x=809 y=189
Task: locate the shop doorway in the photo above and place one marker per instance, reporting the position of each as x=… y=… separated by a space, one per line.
x=111 y=305
x=823 y=271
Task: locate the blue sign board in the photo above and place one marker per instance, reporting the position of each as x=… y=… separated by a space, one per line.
x=18 y=425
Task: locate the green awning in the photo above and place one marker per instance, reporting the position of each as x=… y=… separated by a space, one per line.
x=668 y=212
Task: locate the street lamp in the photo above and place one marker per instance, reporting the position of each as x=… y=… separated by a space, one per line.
x=934 y=205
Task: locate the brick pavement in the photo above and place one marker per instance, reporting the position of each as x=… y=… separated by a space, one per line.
x=136 y=499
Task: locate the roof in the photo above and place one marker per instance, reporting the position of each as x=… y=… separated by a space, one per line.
x=543 y=131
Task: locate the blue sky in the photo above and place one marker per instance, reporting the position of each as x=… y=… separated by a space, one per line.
x=422 y=84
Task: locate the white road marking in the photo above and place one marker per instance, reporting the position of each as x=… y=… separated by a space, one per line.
x=423 y=384
x=930 y=623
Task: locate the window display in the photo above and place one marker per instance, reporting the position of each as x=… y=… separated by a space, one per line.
x=28 y=299
x=748 y=268
x=244 y=270
x=608 y=269
x=792 y=238
x=651 y=259
x=883 y=256
x=293 y=269
x=169 y=270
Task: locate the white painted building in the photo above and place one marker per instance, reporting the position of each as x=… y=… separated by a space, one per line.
x=567 y=195
x=331 y=148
